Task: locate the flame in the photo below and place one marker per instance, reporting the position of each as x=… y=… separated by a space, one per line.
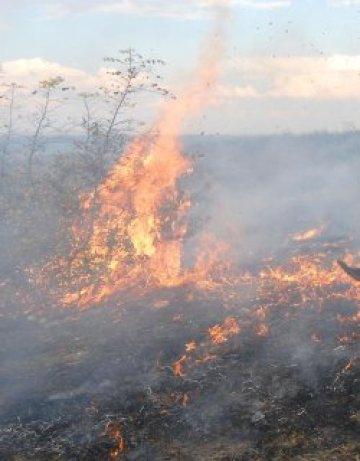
x=262 y=329
x=133 y=225
x=206 y=358
x=113 y=430
x=315 y=338
x=186 y=400
x=352 y=362
x=178 y=366
x=347 y=339
x=311 y=278
x=309 y=234
x=221 y=333
x=195 y=356
x=190 y=346
x=261 y=312
x=304 y=281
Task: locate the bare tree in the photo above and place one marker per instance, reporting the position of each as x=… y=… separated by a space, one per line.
x=36 y=213
x=46 y=87
x=9 y=96
x=128 y=75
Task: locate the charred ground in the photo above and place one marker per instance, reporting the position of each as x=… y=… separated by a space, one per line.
x=141 y=376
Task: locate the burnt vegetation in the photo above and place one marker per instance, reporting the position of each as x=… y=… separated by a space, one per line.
x=251 y=354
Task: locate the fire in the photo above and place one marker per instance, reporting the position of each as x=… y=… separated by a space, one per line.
x=132 y=233
x=130 y=236
x=312 y=279
x=186 y=400
x=206 y=358
x=113 y=430
x=315 y=338
x=190 y=346
x=195 y=356
x=350 y=318
x=221 y=333
x=178 y=366
x=133 y=225
x=308 y=235
x=262 y=329
x=261 y=312
x=352 y=362
x=347 y=339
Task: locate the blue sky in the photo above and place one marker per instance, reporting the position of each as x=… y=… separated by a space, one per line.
x=291 y=65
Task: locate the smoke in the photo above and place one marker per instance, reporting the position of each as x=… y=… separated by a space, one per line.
x=261 y=191
x=197 y=94
x=254 y=193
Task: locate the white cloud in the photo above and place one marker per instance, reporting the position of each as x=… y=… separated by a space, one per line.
x=29 y=72
x=264 y=5
x=333 y=77
x=342 y=3
x=248 y=82
x=173 y=8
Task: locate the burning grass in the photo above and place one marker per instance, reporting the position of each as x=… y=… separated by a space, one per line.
x=186 y=354
x=257 y=370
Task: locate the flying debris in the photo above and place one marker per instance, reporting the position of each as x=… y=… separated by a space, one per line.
x=352 y=271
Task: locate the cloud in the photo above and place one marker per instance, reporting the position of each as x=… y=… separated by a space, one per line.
x=256 y=91
x=175 y=8
x=29 y=72
x=333 y=77
x=264 y=5
x=342 y=3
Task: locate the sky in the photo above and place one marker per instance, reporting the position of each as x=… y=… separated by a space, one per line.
x=290 y=65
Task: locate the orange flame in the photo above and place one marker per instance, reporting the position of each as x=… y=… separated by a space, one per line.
x=221 y=333
x=308 y=235
x=190 y=346
x=186 y=400
x=178 y=366
x=134 y=223
x=262 y=329
x=113 y=430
